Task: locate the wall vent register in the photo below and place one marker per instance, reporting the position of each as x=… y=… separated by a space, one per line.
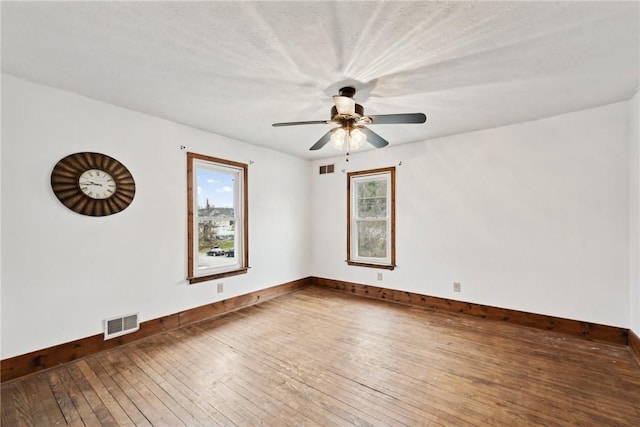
x=326 y=169
x=117 y=326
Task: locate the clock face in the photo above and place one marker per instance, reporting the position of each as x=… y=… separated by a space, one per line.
x=93 y=184
x=97 y=184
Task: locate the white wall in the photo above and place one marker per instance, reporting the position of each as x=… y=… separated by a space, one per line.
x=532 y=217
x=63 y=273
x=634 y=212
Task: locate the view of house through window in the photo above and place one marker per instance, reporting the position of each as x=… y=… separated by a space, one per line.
x=371 y=226
x=217 y=218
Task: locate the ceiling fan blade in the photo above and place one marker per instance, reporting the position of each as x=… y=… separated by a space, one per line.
x=322 y=141
x=373 y=138
x=312 y=122
x=345 y=105
x=383 y=119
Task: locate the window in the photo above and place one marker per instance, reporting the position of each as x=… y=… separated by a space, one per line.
x=371 y=218
x=217 y=218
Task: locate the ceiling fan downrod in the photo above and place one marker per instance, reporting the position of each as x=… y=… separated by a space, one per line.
x=347 y=91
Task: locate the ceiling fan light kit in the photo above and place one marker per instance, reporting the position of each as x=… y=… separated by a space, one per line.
x=350 y=118
x=353 y=137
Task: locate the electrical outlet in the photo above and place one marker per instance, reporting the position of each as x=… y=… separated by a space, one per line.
x=220 y=288
x=379 y=276
x=456 y=286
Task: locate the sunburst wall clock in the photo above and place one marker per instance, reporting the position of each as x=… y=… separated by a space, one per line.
x=93 y=184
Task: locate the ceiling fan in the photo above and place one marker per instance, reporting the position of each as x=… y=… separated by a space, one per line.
x=350 y=119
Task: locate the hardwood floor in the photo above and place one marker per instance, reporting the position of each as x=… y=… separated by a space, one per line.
x=322 y=357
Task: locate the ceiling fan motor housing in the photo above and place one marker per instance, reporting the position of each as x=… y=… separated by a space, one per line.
x=359 y=109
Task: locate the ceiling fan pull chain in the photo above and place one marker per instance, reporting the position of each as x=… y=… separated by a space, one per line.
x=347 y=140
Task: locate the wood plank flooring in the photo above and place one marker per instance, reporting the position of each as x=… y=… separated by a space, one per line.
x=322 y=357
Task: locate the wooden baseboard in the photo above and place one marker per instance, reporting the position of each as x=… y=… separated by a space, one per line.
x=40 y=360
x=634 y=345
x=572 y=327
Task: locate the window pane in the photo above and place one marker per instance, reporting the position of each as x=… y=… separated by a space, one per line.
x=372 y=239
x=372 y=199
x=376 y=188
x=372 y=208
x=216 y=217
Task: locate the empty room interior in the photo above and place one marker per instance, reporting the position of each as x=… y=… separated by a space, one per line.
x=371 y=213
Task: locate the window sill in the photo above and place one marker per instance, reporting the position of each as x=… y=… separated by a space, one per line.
x=365 y=264
x=198 y=279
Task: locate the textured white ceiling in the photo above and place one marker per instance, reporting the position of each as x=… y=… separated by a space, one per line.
x=234 y=68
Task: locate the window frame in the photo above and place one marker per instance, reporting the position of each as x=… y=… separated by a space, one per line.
x=241 y=198
x=353 y=178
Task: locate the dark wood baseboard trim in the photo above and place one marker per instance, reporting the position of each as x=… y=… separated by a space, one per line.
x=634 y=345
x=40 y=360
x=587 y=330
